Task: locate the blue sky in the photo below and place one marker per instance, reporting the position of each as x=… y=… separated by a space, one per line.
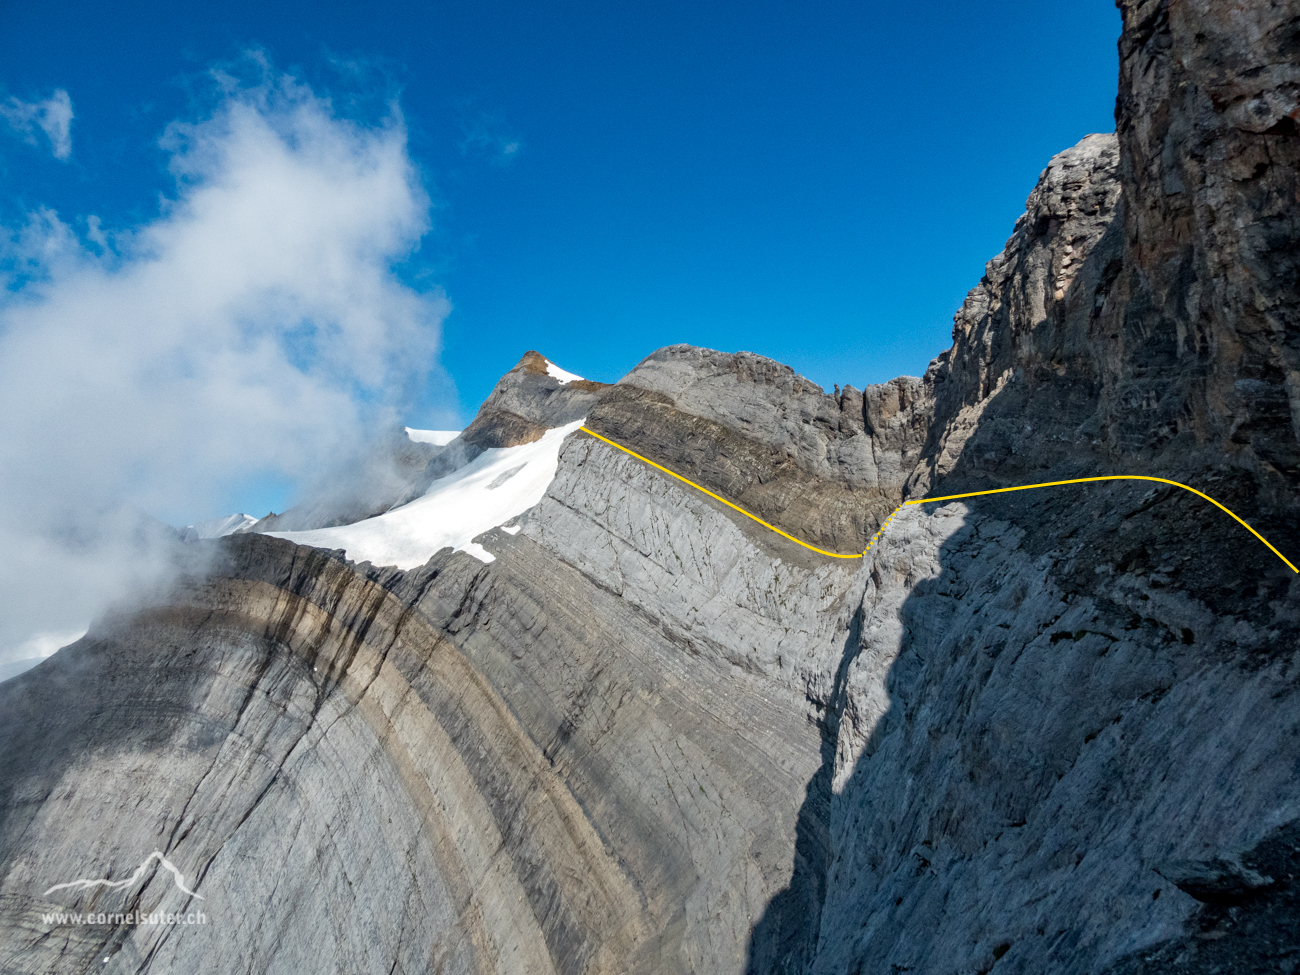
x=819 y=183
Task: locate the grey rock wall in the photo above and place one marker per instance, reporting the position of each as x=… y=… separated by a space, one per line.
x=1209 y=98
x=1049 y=731
x=1067 y=704
x=829 y=469
x=1019 y=760
x=513 y=767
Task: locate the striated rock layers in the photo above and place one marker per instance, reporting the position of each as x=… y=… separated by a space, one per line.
x=828 y=468
x=1046 y=731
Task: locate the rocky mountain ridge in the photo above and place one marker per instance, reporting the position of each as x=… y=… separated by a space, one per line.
x=1055 y=730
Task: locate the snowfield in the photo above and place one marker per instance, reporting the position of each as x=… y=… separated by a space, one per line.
x=498 y=485
x=439 y=438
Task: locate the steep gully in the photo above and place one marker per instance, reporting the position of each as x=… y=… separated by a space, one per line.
x=1027 y=733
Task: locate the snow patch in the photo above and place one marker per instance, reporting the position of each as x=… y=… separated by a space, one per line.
x=221 y=527
x=556 y=372
x=498 y=485
x=439 y=438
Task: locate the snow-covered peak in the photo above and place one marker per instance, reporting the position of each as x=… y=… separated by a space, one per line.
x=439 y=438
x=555 y=372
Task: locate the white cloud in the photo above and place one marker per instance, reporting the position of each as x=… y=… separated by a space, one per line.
x=95 y=232
x=258 y=325
x=53 y=116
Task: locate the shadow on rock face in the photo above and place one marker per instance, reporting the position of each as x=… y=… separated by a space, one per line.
x=1090 y=707
x=1092 y=683
x=1053 y=740
x=1250 y=920
x=784 y=941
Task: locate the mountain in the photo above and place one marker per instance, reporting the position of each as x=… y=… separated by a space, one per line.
x=1050 y=730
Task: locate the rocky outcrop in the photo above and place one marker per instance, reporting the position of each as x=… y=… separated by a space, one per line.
x=528 y=401
x=525 y=403
x=1019 y=388
x=830 y=469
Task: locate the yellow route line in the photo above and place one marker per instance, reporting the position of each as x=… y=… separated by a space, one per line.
x=949 y=497
x=736 y=507
x=1115 y=477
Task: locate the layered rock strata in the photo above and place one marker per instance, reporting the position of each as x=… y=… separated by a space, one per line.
x=829 y=469
x=465 y=768
x=527 y=402
x=1054 y=730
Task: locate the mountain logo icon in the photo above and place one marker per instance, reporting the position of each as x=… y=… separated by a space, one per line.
x=177 y=877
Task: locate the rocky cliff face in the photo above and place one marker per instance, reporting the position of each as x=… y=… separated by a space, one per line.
x=1054 y=730
x=830 y=467
x=1067 y=741
x=1017 y=390
x=1207 y=119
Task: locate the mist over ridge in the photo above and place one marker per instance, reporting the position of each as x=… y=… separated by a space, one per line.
x=257 y=327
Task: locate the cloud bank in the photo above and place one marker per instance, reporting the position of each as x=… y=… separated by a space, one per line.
x=258 y=326
x=53 y=116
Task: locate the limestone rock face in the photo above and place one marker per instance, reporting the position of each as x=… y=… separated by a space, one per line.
x=1054 y=730
x=1207 y=120
x=831 y=468
x=1016 y=391
x=1103 y=693
x=528 y=401
x=464 y=768
x=1023 y=751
